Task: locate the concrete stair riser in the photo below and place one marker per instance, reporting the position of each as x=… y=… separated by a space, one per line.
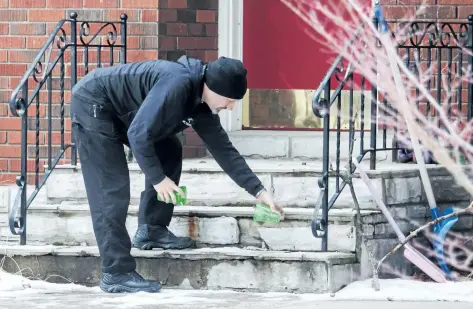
x=210 y=226
x=303 y=145
x=224 y=268
x=293 y=184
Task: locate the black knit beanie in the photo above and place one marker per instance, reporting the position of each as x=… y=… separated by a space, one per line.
x=227 y=77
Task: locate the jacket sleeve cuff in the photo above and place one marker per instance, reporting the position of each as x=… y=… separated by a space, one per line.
x=257 y=190
x=155 y=178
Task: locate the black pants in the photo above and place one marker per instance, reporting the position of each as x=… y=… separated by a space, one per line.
x=100 y=142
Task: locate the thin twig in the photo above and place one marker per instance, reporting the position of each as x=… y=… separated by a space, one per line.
x=414 y=233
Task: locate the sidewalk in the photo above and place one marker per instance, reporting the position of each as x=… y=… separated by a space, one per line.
x=73 y=300
x=17 y=292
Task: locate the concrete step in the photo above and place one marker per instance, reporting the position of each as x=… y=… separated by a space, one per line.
x=206 y=268
x=210 y=226
x=303 y=145
x=294 y=184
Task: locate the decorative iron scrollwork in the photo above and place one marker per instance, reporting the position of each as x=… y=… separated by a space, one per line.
x=17 y=221
x=431 y=34
x=61 y=44
x=61 y=39
x=85 y=33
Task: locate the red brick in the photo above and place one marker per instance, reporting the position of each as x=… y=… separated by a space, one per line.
x=13 y=15
x=28 y=29
x=3 y=165
x=399 y=12
x=167 y=15
x=139 y=4
x=46 y=15
x=10 y=123
x=102 y=3
x=14 y=165
x=176 y=29
x=167 y=43
x=56 y=138
x=4 y=84
x=13 y=69
x=4 y=108
x=186 y=43
x=5 y=95
x=133 y=42
x=64 y=3
x=13 y=41
x=464 y=12
x=7 y=178
x=210 y=55
x=3 y=3
x=22 y=56
x=3 y=56
x=143 y=29
x=10 y=151
x=139 y=55
x=114 y=15
x=204 y=43
x=14 y=137
x=35 y=42
x=461 y=2
x=3 y=137
x=211 y=30
x=177 y=4
x=437 y=12
x=205 y=16
x=3 y=29
x=149 y=15
x=27 y=3
x=196 y=29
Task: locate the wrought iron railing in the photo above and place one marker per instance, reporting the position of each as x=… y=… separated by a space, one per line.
x=69 y=37
x=426 y=43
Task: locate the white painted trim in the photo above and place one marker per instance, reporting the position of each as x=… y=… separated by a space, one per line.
x=230 y=44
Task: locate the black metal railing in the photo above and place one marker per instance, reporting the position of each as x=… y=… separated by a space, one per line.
x=52 y=60
x=432 y=45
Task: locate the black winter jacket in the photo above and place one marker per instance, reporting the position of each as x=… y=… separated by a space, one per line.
x=157 y=99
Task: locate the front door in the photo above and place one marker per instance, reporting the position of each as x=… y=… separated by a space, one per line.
x=286 y=61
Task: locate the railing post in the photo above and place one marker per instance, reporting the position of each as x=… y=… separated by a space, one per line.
x=73 y=76
x=24 y=165
x=470 y=67
x=123 y=30
x=325 y=171
x=374 y=112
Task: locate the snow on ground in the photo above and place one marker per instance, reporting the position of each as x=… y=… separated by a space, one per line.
x=13 y=286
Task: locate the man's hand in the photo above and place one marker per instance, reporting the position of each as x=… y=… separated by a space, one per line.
x=166 y=189
x=267 y=199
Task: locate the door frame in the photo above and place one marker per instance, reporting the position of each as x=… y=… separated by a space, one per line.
x=230 y=44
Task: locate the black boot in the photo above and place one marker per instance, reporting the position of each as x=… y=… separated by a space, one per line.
x=148 y=237
x=128 y=283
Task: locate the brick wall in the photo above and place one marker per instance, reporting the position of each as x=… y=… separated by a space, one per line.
x=434 y=9
x=447 y=11
x=164 y=29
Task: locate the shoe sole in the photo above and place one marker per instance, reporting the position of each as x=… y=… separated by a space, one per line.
x=115 y=288
x=150 y=245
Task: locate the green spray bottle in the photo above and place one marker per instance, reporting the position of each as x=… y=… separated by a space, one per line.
x=180 y=200
x=263 y=213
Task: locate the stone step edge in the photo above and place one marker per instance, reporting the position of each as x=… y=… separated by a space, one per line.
x=211 y=211
x=207 y=165
x=221 y=253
